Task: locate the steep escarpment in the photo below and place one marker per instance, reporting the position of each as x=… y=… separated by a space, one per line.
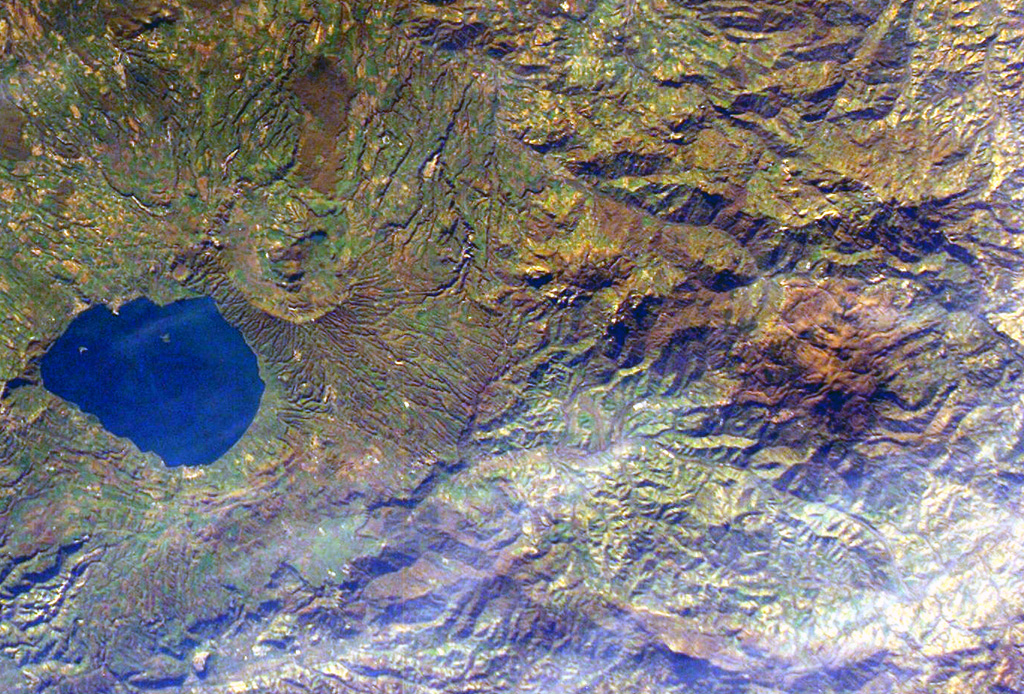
x=609 y=346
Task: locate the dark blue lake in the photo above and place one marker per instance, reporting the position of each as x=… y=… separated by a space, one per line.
x=177 y=380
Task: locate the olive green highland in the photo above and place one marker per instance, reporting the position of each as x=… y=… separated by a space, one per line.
x=619 y=347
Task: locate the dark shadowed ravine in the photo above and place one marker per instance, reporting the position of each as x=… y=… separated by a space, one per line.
x=587 y=346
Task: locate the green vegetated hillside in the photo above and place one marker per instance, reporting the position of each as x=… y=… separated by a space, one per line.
x=640 y=346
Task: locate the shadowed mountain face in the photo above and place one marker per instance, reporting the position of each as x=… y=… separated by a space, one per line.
x=610 y=346
x=177 y=380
